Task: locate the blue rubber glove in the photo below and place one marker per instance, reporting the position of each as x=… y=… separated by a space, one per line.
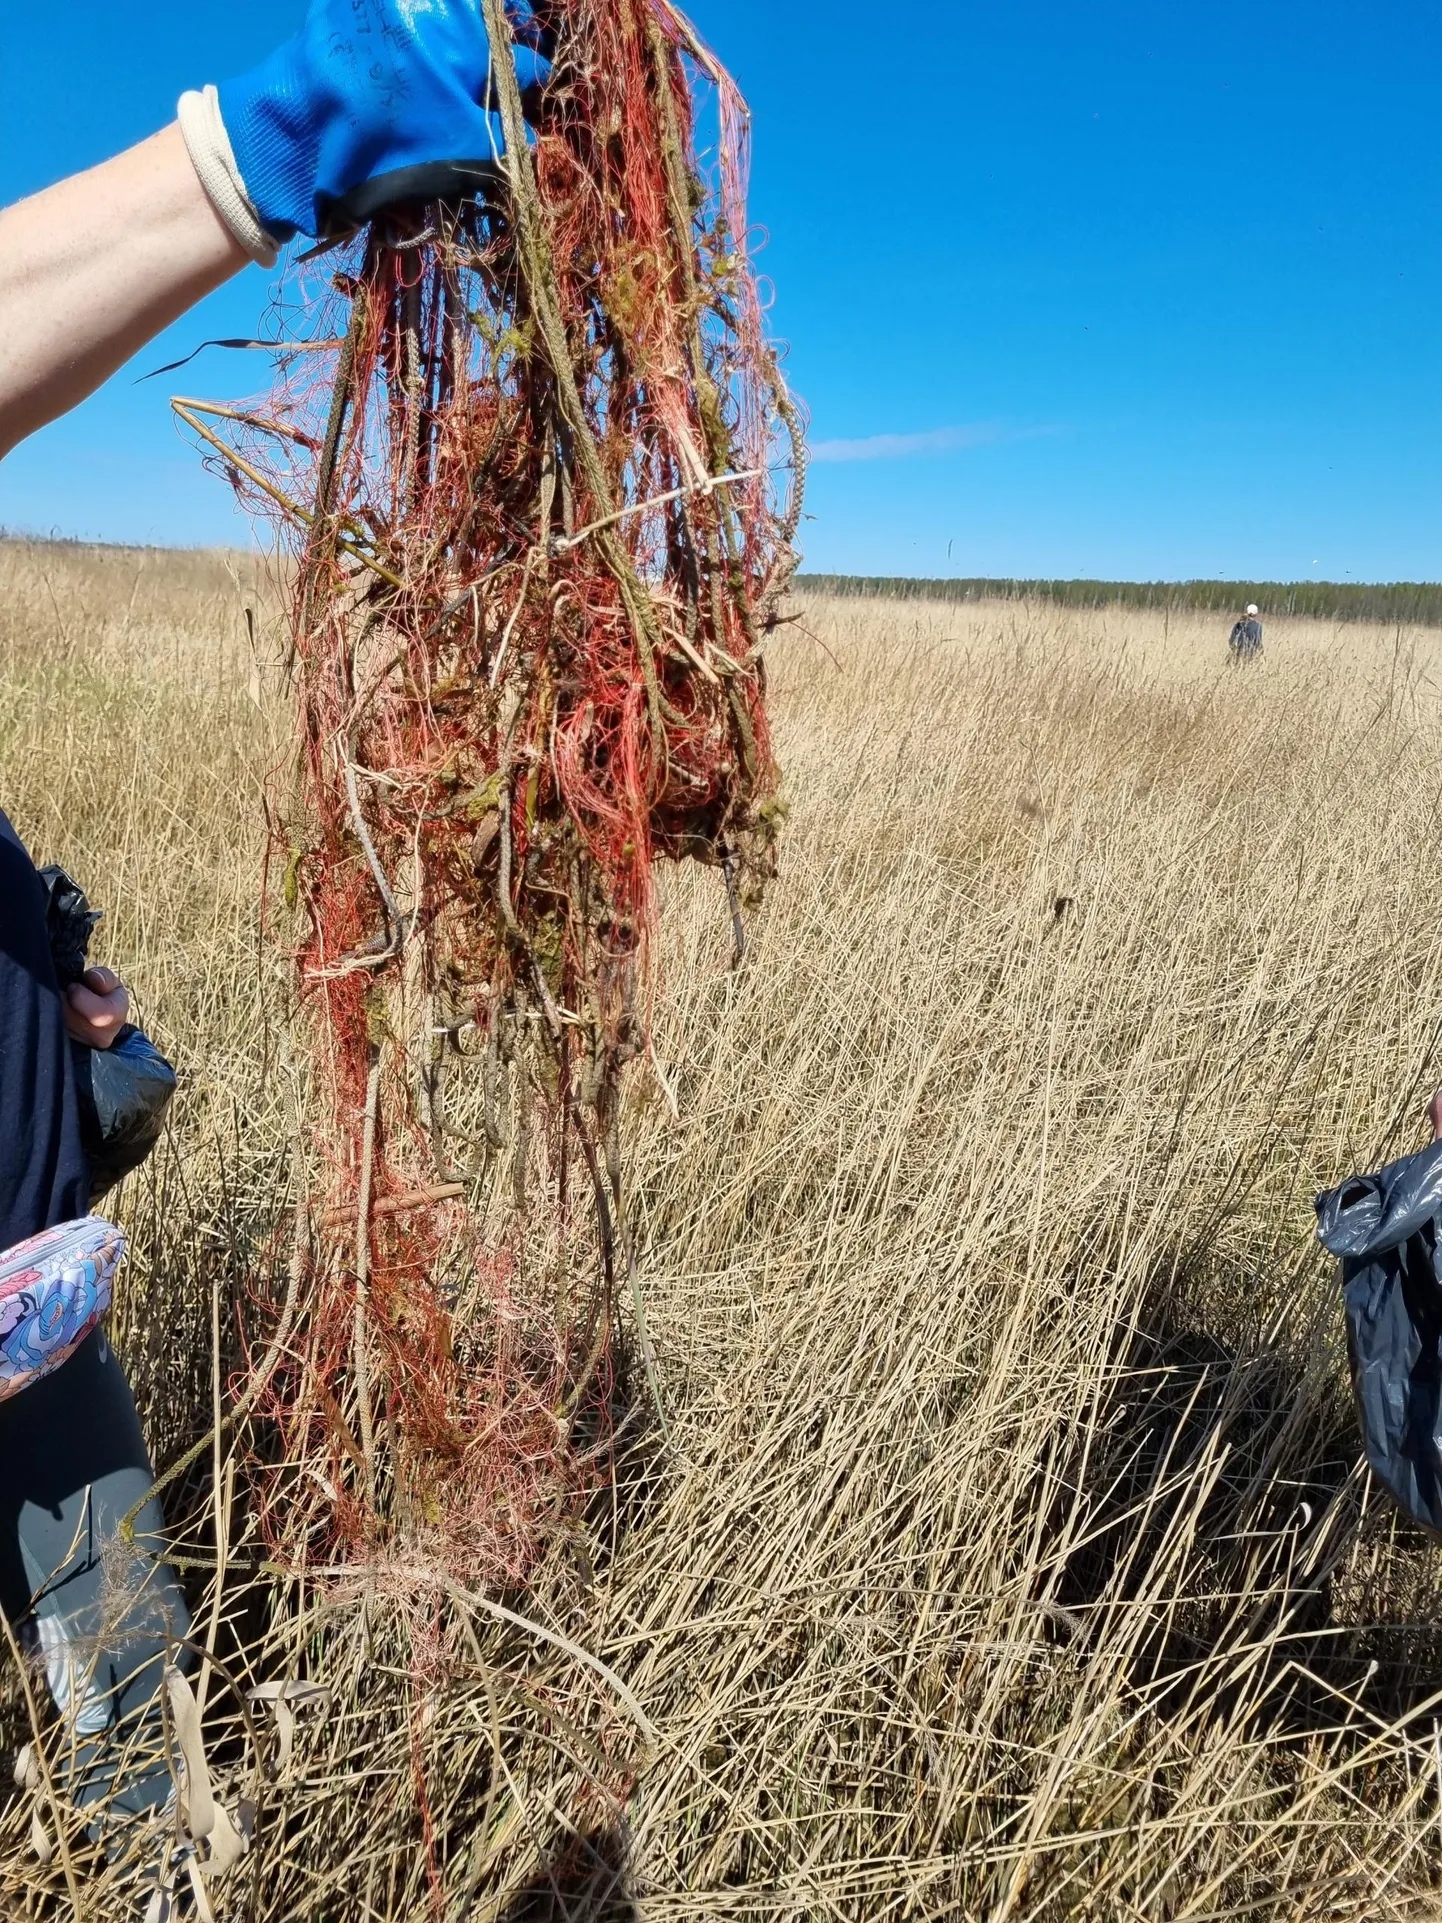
x=373 y=103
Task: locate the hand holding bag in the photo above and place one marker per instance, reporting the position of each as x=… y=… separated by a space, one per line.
x=123 y=1090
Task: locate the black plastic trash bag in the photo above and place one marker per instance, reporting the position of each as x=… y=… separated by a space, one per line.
x=70 y=921
x=1386 y=1229
x=123 y=1090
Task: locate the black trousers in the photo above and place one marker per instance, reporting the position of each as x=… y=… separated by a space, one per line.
x=97 y=1610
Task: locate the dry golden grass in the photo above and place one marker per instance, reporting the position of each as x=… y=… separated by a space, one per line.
x=1004 y=1554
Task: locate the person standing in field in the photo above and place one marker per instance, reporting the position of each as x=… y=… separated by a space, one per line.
x=372 y=104
x=1246 y=638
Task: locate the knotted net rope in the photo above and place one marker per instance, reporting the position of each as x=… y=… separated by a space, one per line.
x=542 y=479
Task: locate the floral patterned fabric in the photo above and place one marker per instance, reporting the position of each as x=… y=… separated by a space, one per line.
x=54 y=1288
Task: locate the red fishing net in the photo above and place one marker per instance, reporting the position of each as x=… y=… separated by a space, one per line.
x=542 y=481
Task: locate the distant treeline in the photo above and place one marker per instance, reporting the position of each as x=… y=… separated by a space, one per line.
x=1410 y=602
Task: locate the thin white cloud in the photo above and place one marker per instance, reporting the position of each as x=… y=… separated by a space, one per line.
x=937 y=440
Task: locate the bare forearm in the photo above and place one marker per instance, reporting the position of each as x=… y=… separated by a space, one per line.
x=93 y=268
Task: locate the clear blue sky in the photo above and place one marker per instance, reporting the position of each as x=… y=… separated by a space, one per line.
x=1127 y=290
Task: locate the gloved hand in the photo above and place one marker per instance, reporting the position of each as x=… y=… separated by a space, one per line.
x=373 y=102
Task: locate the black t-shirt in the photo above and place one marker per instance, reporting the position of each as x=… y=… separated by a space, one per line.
x=43 y=1176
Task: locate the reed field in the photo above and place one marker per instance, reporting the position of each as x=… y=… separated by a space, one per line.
x=986 y=1537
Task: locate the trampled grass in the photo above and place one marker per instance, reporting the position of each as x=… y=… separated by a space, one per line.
x=1004 y=1553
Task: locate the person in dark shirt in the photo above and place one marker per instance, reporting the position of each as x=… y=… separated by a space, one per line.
x=1246 y=640
x=100 y=1619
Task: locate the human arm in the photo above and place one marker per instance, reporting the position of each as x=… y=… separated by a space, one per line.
x=93 y=268
x=372 y=102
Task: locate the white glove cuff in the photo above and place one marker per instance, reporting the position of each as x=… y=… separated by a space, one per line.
x=210 y=151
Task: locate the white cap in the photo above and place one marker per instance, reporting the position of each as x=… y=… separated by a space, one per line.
x=1251 y=607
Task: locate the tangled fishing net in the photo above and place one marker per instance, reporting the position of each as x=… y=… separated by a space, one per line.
x=539 y=477
x=542 y=480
